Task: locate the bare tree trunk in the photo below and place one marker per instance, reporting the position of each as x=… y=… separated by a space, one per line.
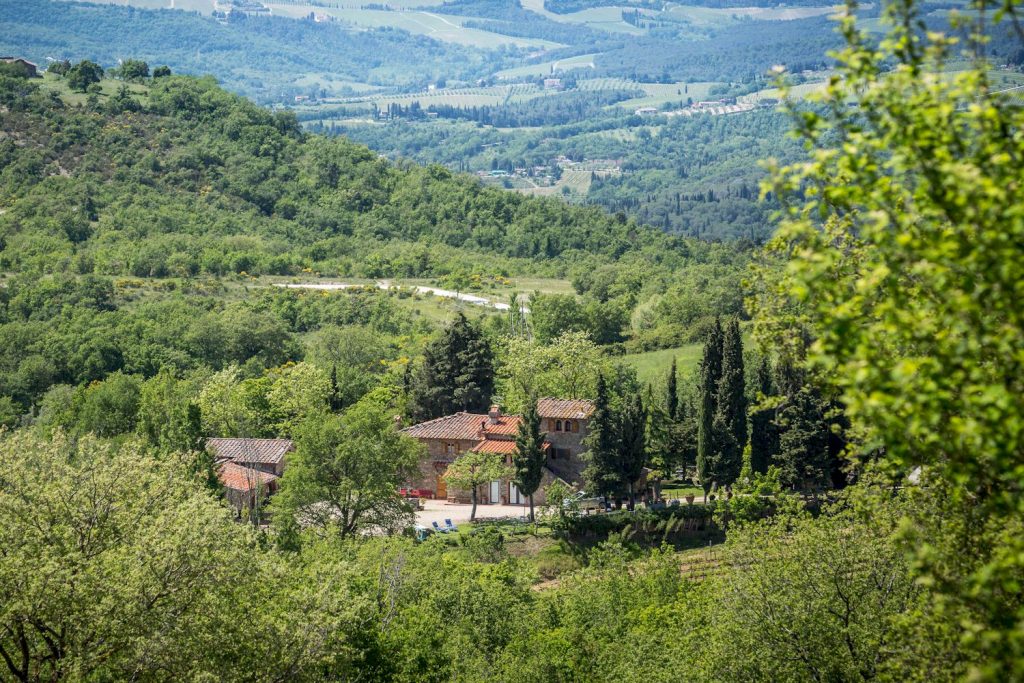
x=472 y=496
x=632 y=497
x=532 y=520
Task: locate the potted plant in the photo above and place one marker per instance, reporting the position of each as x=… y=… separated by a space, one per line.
x=689 y=498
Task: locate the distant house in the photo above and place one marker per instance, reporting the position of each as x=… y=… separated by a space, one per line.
x=552 y=83
x=446 y=438
x=245 y=487
x=265 y=455
x=646 y=111
x=31 y=70
x=249 y=469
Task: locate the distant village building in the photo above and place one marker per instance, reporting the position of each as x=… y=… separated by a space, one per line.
x=446 y=438
x=31 y=70
x=646 y=111
x=553 y=84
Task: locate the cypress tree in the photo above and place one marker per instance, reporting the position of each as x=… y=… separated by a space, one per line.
x=802 y=451
x=632 y=446
x=334 y=400
x=603 y=444
x=803 y=456
x=473 y=367
x=528 y=458
x=764 y=438
x=672 y=391
x=732 y=407
x=710 y=374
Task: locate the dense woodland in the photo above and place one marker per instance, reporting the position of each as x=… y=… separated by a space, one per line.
x=861 y=460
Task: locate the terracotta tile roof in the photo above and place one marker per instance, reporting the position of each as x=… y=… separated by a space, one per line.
x=243 y=478
x=499 y=446
x=257 y=451
x=565 y=408
x=463 y=426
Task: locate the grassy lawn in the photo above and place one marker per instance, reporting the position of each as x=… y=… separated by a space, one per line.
x=652 y=366
x=679 y=492
x=109 y=87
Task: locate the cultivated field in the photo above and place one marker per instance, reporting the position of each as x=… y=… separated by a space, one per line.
x=659 y=93
x=437 y=26
x=545 y=68
x=601 y=18
x=715 y=17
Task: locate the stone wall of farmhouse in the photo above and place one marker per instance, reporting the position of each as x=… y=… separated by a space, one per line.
x=436 y=461
x=566 y=440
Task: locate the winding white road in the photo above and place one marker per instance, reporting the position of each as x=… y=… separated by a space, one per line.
x=387 y=284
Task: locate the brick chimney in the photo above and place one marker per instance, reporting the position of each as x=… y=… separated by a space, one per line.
x=494 y=415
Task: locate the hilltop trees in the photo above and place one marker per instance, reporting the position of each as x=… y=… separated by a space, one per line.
x=457 y=373
x=82 y=75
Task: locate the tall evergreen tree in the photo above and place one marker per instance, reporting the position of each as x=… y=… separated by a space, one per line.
x=672 y=392
x=802 y=429
x=803 y=456
x=764 y=438
x=457 y=373
x=632 y=446
x=732 y=407
x=603 y=445
x=474 y=366
x=528 y=458
x=710 y=374
x=334 y=400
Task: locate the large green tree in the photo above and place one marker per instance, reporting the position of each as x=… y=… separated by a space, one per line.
x=82 y=75
x=115 y=565
x=457 y=373
x=344 y=475
x=731 y=417
x=474 y=469
x=902 y=233
x=763 y=431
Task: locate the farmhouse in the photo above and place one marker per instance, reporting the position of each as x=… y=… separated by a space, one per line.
x=30 y=69
x=245 y=487
x=564 y=420
x=249 y=469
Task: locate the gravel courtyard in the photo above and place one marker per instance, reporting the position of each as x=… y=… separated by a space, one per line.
x=439 y=510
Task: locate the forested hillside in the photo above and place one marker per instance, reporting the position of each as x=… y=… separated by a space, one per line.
x=122 y=221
